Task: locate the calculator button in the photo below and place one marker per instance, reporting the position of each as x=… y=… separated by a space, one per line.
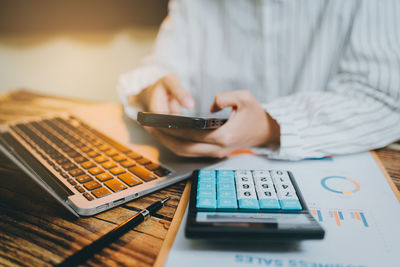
x=206 y=179
x=280 y=176
x=227 y=194
x=206 y=173
x=225 y=179
x=246 y=195
x=226 y=186
x=269 y=204
x=225 y=173
x=265 y=186
x=206 y=203
x=286 y=194
x=206 y=194
x=261 y=173
x=263 y=179
x=249 y=204
x=290 y=204
x=227 y=203
x=245 y=186
x=269 y=194
x=243 y=172
x=207 y=186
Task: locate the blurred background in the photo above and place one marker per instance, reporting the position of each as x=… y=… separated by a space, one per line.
x=74 y=48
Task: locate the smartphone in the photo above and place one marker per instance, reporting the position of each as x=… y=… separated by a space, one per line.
x=178 y=121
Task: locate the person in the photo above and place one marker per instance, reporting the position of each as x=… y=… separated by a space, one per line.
x=303 y=79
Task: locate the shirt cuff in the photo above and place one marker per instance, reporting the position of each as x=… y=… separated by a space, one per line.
x=290 y=141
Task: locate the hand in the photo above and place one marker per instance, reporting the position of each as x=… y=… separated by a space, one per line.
x=248 y=126
x=166 y=95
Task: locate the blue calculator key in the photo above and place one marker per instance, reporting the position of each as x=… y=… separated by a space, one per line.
x=225 y=173
x=227 y=203
x=226 y=186
x=225 y=179
x=269 y=204
x=246 y=203
x=206 y=194
x=206 y=179
x=206 y=203
x=227 y=194
x=290 y=204
x=206 y=173
x=208 y=186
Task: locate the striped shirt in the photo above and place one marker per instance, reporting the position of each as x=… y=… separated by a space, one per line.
x=327 y=71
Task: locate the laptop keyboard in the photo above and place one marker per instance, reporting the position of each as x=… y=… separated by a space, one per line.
x=95 y=164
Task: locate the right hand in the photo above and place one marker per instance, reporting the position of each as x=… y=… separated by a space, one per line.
x=167 y=96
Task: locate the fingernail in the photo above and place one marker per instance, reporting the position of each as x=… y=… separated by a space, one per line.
x=188 y=102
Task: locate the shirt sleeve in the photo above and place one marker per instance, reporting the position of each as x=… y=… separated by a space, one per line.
x=168 y=56
x=360 y=109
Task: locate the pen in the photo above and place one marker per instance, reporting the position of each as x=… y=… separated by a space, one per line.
x=86 y=252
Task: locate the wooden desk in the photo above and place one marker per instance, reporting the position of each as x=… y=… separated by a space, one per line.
x=35 y=231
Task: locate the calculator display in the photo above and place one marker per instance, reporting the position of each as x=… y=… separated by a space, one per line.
x=249 y=203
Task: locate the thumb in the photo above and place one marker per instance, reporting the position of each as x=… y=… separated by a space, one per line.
x=223 y=100
x=173 y=86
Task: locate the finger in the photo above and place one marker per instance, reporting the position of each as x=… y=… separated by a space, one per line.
x=174 y=107
x=187 y=148
x=158 y=100
x=174 y=87
x=228 y=99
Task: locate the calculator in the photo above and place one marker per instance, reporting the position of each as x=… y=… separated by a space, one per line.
x=248 y=204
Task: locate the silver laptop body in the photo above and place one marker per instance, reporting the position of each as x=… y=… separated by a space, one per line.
x=110 y=121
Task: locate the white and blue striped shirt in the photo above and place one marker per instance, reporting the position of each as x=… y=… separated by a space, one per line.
x=327 y=71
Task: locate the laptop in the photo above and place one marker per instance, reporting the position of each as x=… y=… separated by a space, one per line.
x=93 y=158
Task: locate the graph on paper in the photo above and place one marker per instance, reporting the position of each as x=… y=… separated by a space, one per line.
x=340 y=217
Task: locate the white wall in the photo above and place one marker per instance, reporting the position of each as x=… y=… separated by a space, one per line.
x=82 y=66
x=74 y=48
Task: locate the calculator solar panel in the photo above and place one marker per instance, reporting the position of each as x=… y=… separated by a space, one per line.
x=249 y=204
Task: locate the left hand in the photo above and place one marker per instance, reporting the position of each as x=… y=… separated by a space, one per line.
x=249 y=125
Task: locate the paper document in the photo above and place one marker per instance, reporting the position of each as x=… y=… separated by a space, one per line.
x=348 y=195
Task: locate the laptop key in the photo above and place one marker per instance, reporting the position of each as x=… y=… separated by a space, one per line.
x=108 y=164
x=68 y=166
x=84 y=178
x=127 y=163
x=79 y=188
x=133 y=155
x=162 y=172
x=96 y=170
x=76 y=172
x=103 y=148
x=88 y=196
x=92 y=185
x=100 y=159
x=72 y=181
x=142 y=173
x=93 y=154
x=117 y=170
x=88 y=164
x=130 y=179
x=119 y=158
x=152 y=166
x=104 y=176
x=115 y=185
x=111 y=152
x=101 y=192
x=80 y=159
x=62 y=161
x=143 y=161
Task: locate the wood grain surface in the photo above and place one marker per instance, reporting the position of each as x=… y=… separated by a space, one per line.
x=36 y=231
